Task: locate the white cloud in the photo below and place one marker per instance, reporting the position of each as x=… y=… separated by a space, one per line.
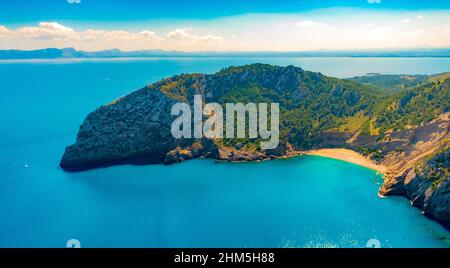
x=56 y=31
x=4 y=32
x=182 y=33
x=148 y=35
x=419 y=17
x=340 y=29
x=405 y=21
x=91 y=34
x=74 y=1
x=185 y=34
x=119 y=35
x=53 y=34
x=307 y=23
x=374 y=1
x=93 y=39
x=48 y=30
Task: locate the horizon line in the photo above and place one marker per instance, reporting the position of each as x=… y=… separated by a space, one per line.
x=387 y=49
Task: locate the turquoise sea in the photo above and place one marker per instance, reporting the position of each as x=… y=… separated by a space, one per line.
x=306 y=201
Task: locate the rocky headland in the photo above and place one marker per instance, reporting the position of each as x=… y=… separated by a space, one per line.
x=407 y=132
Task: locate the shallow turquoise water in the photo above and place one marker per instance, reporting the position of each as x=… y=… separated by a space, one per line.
x=302 y=202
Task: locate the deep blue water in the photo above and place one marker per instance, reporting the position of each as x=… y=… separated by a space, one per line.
x=302 y=202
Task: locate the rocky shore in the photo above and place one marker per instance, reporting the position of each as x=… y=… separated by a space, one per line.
x=408 y=171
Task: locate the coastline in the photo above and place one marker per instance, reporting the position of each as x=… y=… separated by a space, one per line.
x=348 y=156
x=342 y=154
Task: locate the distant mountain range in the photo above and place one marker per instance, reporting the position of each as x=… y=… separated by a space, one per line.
x=56 y=53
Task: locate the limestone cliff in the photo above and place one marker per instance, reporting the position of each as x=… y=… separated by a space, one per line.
x=420 y=170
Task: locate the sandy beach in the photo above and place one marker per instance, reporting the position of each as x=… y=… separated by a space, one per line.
x=349 y=156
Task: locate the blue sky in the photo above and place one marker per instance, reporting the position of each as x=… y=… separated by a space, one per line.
x=113 y=10
x=224 y=24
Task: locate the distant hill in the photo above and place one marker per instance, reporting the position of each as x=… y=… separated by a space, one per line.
x=55 y=53
x=392 y=83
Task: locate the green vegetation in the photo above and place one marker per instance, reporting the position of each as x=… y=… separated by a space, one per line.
x=392 y=83
x=439 y=77
x=311 y=103
x=371 y=152
x=179 y=87
x=415 y=106
x=355 y=123
x=437 y=167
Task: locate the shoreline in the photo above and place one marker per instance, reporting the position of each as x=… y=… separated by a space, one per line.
x=342 y=154
x=348 y=156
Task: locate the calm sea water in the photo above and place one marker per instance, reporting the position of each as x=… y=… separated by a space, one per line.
x=301 y=202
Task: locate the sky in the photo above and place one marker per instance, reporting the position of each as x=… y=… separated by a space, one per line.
x=224 y=25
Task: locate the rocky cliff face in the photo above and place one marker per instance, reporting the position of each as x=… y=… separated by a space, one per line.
x=134 y=129
x=419 y=168
x=421 y=173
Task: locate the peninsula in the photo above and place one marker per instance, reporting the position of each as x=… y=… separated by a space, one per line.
x=400 y=126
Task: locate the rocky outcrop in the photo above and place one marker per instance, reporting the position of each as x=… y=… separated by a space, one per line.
x=132 y=130
x=204 y=148
x=419 y=169
x=437 y=203
x=431 y=197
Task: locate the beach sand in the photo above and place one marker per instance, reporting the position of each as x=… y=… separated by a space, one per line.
x=349 y=156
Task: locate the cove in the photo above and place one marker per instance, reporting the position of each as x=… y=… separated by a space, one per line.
x=307 y=201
